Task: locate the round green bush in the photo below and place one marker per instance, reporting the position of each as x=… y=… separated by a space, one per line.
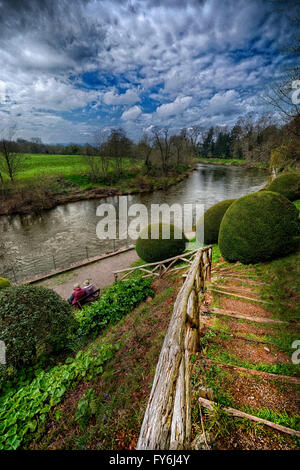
x=212 y=220
x=288 y=185
x=258 y=227
x=34 y=321
x=151 y=250
x=4 y=283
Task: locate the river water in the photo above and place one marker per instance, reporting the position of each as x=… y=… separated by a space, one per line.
x=36 y=244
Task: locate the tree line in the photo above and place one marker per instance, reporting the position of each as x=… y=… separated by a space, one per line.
x=251 y=138
x=257 y=140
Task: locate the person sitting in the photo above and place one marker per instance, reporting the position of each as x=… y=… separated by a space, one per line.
x=77 y=294
x=88 y=288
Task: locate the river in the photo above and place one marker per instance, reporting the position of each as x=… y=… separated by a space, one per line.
x=36 y=244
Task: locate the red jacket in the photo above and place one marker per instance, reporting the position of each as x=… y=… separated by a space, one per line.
x=78 y=293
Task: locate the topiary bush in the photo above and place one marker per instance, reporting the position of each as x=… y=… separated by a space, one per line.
x=258 y=227
x=151 y=250
x=4 y=283
x=212 y=220
x=288 y=185
x=34 y=321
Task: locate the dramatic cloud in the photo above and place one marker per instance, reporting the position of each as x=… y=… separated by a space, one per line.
x=131 y=113
x=171 y=109
x=129 y=97
x=69 y=67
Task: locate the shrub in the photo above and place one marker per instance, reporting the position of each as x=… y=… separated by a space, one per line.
x=151 y=250
x=33 y=321
x=115 y=302
x=212 y=220
x=258 y=227
x=288 y=185
x=4 y=283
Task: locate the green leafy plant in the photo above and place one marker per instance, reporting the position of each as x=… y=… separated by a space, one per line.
x=86 y=408
x=24 y=411
x=115 y=302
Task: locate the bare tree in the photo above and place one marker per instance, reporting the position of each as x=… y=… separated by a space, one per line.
x=93 y=163
x=11 y=161
x=102 y=154
x=144 y=148
x=178 y=144
x=194 y=134
x=162 y=141
x=118 y=148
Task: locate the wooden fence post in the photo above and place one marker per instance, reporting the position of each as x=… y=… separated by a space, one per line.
x=167 y=420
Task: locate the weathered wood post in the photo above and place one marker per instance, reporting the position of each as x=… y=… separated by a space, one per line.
x=167 y=420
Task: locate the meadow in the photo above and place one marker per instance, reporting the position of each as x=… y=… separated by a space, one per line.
x=36 y=165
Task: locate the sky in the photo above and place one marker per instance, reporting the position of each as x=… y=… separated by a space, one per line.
x=71 y=67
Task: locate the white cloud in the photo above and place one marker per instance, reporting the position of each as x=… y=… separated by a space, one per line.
x=129 y=97
x=170 y=109
x=223 y=102
x=131 y=113
x=58 y=95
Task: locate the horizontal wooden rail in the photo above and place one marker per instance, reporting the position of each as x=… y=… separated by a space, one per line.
x=167 y=420
x=158 y=268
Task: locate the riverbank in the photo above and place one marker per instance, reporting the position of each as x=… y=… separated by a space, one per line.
x=54 y=191
x=233 y=162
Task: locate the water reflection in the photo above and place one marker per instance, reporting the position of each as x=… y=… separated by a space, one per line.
x=68 y=232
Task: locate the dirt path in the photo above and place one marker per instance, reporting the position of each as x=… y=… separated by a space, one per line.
x=230 y=347
x=99 y=273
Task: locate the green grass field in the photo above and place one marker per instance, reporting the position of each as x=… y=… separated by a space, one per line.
x=51 y=165
x=37 y=165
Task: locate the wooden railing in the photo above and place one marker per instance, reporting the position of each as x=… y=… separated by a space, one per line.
x=159 y=268
x=167 y=420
